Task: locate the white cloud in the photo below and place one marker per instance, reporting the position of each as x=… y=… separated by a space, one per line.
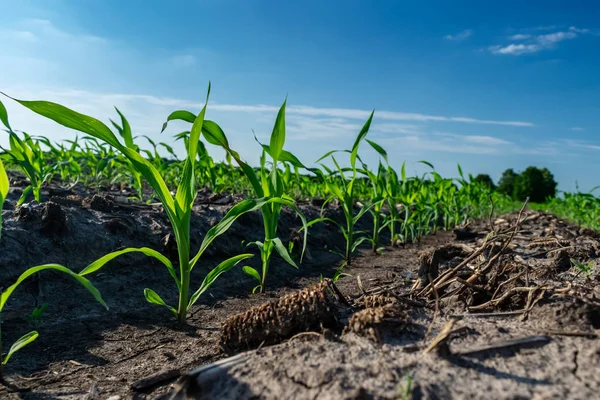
x=515 y=49
x=460 y=36
x=529 y=43
x=520 y=36
x=551 y=38
x=577 y=128
x=581 y=144
x=574 y=29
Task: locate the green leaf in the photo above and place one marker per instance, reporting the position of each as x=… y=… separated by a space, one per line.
x=278 y=136
x=280 y=248
x=93 y=127
x=153 y=297
x=214 y=134
x=460 y=171
x=34 y=270
x=4 y=116
x=19 y=344
x=126 y=131
x=330 y=153
x=4 y=185
x=24 y=195
x=430 y=165
x=363 y=132
x=378 y=149
x=181 y=115
x=234 y=213
x=214 y=274
x=252 y=272
x=366 y=207
x=99 y=263
x=358 y=242
x=71 y=119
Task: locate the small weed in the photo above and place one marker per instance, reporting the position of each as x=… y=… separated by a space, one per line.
x=36 y=315
x=586 y=269
x=406 y=389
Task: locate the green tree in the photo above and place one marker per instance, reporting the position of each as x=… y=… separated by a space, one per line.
x=535 y=183
x=486 y=180
x=506 y=184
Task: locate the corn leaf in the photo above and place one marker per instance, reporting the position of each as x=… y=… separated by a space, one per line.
x=378 y=149
x=252 y=272
x=4 y=185
x=4 y=116
x=71 y=119
x=181 y=115
x=126 y=131
x=99 y=263
x=153 y=297
x=19 y=344
x=430 y=165
x=280 y=248
x=214 y=274
x=278 y=135
x=363 y=132
x=234 y=213
x=34 y=270
x=97 y=129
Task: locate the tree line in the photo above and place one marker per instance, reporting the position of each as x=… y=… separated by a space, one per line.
x=536 y=183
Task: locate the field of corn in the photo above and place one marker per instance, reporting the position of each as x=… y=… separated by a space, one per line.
x=324 y=278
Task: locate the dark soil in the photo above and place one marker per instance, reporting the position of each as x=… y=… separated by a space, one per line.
x=526 y=328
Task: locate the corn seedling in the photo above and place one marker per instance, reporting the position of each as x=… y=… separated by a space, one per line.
x=178 y=208
x=266 y=183
x=343 y=190
x=31 y=336
x=28 y=154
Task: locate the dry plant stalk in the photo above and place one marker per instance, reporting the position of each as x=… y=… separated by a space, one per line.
x=306 y=310
x=372 y=321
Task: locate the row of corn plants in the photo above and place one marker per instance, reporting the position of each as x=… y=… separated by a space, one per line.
x=407 y=208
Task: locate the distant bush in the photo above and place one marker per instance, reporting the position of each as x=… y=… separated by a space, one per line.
x=536 y=183
x=486 y=180
x=506 y=184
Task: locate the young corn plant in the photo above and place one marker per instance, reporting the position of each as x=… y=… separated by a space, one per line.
x=343 y=190
x=266 y=183
x=33 y=335
x=378 y=183
x=28 y=154
x=178 y=207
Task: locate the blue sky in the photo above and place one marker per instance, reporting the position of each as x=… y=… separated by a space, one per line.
x=492 y=86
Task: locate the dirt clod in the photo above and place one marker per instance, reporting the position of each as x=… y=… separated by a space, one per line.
x=54 y=219
x=100 y=203
x=372 y=322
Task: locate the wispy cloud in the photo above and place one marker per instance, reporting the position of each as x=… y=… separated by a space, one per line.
x=529 y=43
x=574 y=29
x=520 y=36
x=460 y=36
x=577 y=128
x=364 y=114
x=581 y=144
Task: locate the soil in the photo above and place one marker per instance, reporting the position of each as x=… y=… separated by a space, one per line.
x=525 y=327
